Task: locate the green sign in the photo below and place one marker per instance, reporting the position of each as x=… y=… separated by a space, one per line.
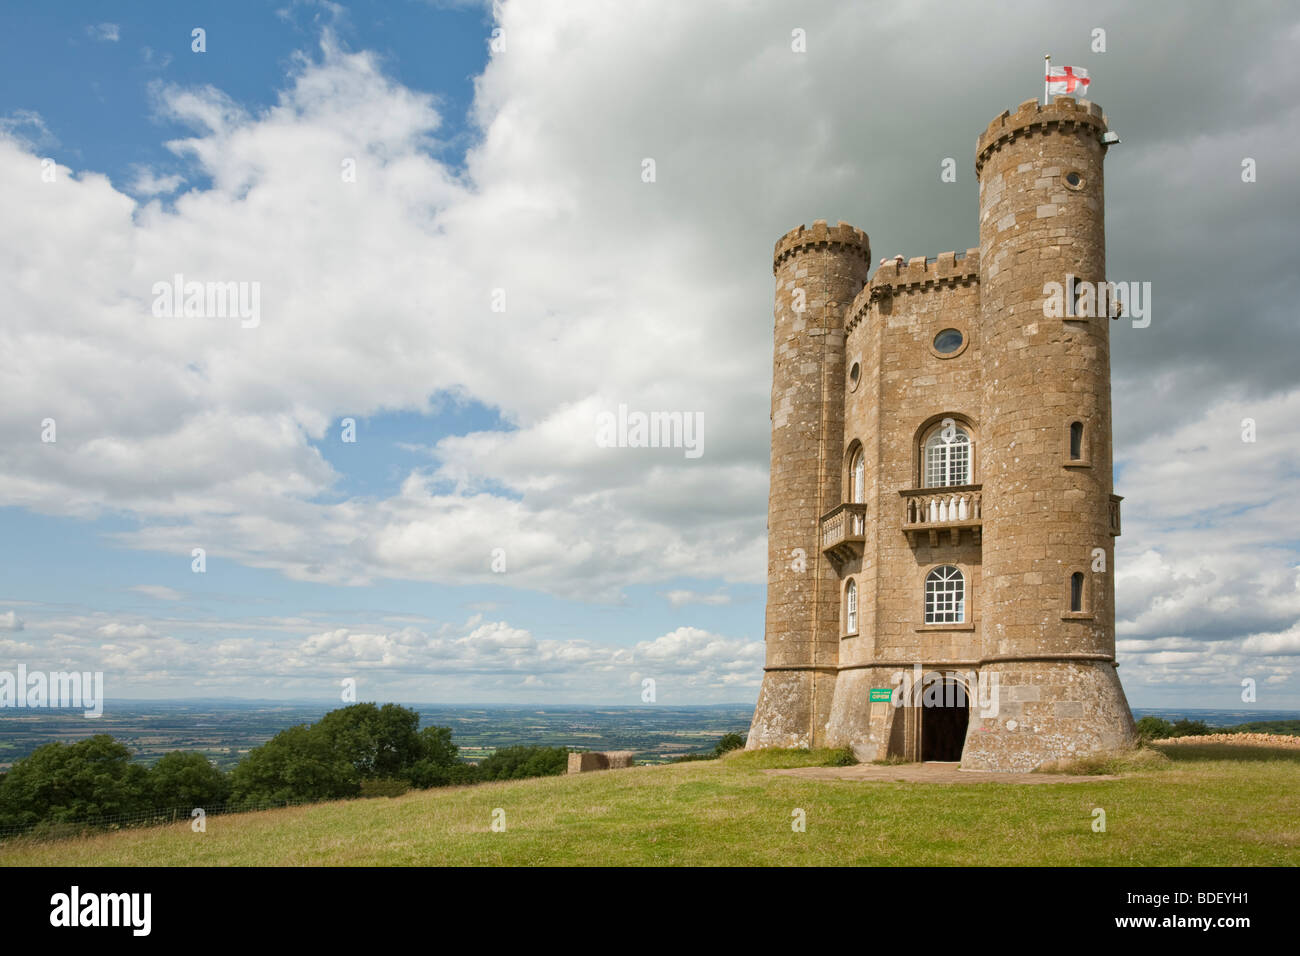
x=882 y=694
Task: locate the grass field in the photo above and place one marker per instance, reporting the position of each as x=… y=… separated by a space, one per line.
x=1211 y=803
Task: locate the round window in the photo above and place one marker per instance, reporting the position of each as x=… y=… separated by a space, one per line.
x=1073 y=180
x=855 y=373
x=947 y=341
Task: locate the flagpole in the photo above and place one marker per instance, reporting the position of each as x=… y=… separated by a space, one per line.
x=1047 y=72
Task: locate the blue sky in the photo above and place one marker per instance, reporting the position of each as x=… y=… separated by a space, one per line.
x=518 y=169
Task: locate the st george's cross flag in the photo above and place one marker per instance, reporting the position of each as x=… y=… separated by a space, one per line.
x=1071 y=80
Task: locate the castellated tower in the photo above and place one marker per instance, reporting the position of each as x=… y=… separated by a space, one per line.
x=818 y=272
x=1047 y=516
x=941 y=453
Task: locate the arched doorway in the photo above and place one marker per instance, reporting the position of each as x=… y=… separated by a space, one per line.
x=945 y=715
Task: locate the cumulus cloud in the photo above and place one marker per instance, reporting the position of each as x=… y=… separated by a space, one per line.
x=473 y=660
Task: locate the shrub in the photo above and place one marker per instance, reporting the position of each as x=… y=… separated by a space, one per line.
x=384 y=787
x=840 y=757
x=187 y=779
x=691 y=758
x=1190 y=728
x=86 y=780
x=516 y=763
x=1154 y=728
x=728 y=743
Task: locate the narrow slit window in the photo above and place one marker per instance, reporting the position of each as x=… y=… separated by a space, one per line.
x=1076 y=441
x=851 y=608
x=1076 y=591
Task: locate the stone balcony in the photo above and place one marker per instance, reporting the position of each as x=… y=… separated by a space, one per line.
x=934 y=511
x=843 y=532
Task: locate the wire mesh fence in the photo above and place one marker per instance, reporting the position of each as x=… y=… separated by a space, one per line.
x=157 y=816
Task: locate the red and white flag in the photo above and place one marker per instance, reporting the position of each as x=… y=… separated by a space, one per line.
x=1070 y=80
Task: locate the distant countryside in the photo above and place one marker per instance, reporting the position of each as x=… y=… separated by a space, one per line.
x=226 y=730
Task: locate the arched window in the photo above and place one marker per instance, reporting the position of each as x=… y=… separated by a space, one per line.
x=851 y=607
x=1076 y=441
x=1076 y=591
x=945 y=596
x=947 y=457
x=859 y=478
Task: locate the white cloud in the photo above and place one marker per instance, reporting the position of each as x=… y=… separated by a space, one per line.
x=10 y=621
x=104 y=32
x=475 y=660
x=680 y=597
x=158 y=592
x=148 y=183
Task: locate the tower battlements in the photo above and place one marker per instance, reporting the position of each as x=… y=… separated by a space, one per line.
x=841 y=236
x=919 y=274
x=1033 y=117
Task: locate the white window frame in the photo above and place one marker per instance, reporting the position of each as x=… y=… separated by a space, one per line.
x=946 y=463
x=859 y=477
x=945 y=595
x=851 y=607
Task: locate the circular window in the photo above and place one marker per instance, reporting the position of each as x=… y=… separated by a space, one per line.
x=948 y=341
x=1073 y=180
x=855 y=375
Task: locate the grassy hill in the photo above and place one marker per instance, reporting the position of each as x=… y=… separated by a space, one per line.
x=1211 y=803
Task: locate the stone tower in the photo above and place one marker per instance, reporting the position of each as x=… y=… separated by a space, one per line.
x=941 y=452
x=818 y=272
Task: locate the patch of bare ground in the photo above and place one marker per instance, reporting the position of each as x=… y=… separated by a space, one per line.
x=930 y=773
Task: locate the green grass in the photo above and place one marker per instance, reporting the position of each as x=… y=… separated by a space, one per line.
x=1218 y=804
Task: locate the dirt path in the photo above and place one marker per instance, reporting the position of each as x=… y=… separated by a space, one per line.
x=931 y=773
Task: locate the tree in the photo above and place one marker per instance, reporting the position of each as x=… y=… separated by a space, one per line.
x=438 y=765
x=187 y=779
x=728 y=743
x=1154 y=728
x=330 y=758
x=376 y=741
x=515 y=763
x=295 y=764
x=86 y=780
x=1190 y=728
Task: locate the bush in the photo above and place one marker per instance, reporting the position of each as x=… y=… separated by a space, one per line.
x=298 y=764
x=841 y=757
x=1154 y=728
x=691 y=758
x=331 y=758
x=384 y=787
x=728 y=743
x=87 y=780
x=516 y=763
x=186 y=779
x=1190 y=728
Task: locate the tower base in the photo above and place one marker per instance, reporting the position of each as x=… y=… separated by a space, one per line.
x=1046 y=711
x=792 y=710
